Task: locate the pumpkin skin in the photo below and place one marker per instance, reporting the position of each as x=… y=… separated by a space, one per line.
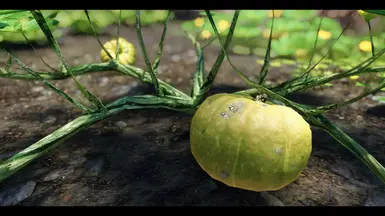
x=127 y=54
x=248 y=144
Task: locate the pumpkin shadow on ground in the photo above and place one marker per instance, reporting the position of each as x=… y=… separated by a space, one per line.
x=144 y=163
x=148 y=162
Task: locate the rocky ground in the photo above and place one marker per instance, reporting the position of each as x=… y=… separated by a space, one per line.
x=143 y=157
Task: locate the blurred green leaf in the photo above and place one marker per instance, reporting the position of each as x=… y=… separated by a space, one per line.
x=360 y=84
x=287 y=25
x=3 y=25
x=241 y=50
x=24 y=21
x=379 y=12
x=189 y=26
x=252 y=17
x=288 y=45
x=5 y=12
x=247 y=32
x=300 y=14
x=328 y=24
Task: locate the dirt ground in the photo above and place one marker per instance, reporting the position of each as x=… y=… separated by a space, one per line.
x=143 y=157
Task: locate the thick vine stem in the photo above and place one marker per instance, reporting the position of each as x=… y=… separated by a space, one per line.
x=299 y=83
x=145 y=77
x=23 y=158
x=349 y=143
x=206 y=86
x=326 y=108
x=311 y=83
x=76 y=70
x=146 y=60
x=36 y=150
x=100 y=67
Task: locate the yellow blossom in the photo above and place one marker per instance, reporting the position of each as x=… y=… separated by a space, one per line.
x=275 y=35
x=277 y=13
x=223 y=25
x=324 y=35
x=275 y=64
x=301 y=53
x=365 y=46
x=205 y=34
x=260 y=61
x=199 y=22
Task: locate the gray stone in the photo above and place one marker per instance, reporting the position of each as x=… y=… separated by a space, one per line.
x=103 y=81
x=17 y=194
x=176 y=58
x=40 y=172
x=341 y=170
x=271 y=200
x=37 y=89
x=95 y=166
x=77 y=160
x=49 y=119
x=205 y=188
x=120 y=124
x=123 y=89
x=59 y=173
x=375 y=198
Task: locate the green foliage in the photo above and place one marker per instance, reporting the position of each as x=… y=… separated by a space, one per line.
x=15 y=25
x=294 y=30
x=23 y=21
x=78 y=22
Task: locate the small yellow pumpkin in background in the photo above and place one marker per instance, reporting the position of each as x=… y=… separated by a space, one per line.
x=365 y=46
x=127 y=52
x=249 y=144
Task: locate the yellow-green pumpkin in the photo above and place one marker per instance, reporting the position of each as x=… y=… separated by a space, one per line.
x=127 y=52
x=248 y=144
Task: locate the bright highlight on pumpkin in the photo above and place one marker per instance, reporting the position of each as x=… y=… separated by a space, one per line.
x=127 y=52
